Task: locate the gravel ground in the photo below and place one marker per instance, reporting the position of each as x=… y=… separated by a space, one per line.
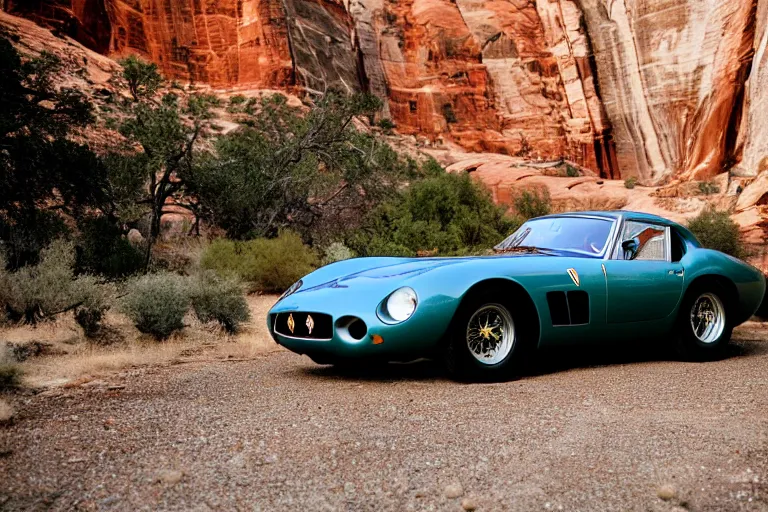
x=593 y=430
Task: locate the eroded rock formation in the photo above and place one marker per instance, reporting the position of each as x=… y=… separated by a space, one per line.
x=672 y=77
x=648 y=88
x=755 y=127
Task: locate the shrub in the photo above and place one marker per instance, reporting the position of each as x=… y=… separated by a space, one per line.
x=708 y=188
x=103 y=250
x=571 y=171
x=10 y=376
x=94 y=300
x=157 y=303
x=237 y=99
x=533 y=203
x=716 y=230
x=268 y=265
x=445 y=214
x=38 y=292
x=25 y=237
x=219 y=299
x=199 y=105
x=337 y=251
x=10 y=373
x=630 y=182
x=386 y=124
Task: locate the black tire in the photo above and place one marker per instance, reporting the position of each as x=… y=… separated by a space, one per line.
x=459 y=360
x=691 y=347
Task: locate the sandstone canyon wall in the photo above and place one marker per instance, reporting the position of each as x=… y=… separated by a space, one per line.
x=657 y=89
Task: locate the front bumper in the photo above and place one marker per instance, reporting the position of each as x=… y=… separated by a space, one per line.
x=415 y=337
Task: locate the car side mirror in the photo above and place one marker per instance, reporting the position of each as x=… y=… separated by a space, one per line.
x=630 y=248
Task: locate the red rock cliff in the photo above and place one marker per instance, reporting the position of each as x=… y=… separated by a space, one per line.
x=648 y=88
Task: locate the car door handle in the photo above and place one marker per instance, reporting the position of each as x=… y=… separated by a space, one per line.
x=676 y=272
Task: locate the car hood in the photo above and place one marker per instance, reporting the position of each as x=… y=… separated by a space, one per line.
x=360 y=271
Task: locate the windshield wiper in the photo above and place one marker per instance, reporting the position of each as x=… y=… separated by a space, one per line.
x=529 y=249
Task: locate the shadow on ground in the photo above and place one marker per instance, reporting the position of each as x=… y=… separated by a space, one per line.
x=543 y=362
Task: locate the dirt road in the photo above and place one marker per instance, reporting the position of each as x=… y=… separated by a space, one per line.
x=586 y=431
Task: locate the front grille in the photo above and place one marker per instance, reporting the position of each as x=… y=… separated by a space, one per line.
x=310 y=326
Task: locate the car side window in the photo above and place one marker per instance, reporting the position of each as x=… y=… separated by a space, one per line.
x=678 y=246
x=642 y=241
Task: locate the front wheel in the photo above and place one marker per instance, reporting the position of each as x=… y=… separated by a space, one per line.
x=486 y=342
x=704 y=327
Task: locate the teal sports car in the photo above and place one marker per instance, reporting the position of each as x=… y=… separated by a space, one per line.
x=562 y=279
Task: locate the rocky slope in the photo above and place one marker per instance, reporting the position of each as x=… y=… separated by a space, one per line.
x=648 y=88
x=452 y=91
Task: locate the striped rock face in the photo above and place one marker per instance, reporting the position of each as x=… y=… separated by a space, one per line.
x=656 y=89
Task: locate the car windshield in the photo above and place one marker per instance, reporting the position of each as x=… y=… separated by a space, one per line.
x=585 y=235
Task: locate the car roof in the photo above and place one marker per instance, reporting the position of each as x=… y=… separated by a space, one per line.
x=616 y=214
x=639 y=216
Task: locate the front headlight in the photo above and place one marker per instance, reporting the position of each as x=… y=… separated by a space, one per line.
x=401 y=304
x=291 y=289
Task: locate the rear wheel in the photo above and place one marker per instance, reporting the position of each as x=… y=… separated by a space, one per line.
x=487 y=341
x=704 y=327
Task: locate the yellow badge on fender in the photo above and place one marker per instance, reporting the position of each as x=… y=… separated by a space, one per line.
x=291 y=323
x=310 y=324
x=574 y=275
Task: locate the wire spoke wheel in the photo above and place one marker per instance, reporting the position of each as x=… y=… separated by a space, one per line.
x=708 y=318
x=490 y=334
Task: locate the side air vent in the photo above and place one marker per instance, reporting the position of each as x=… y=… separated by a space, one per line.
x=578 y=304
x=570 y=309
x=558 y=308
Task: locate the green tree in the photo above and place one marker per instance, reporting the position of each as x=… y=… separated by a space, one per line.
x=297 y=169
x=145 y=181
x=142 y=77
x=447 y=214
x=44 y=174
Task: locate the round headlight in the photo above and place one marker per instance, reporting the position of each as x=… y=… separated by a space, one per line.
x=292 y=289
x=401 y=304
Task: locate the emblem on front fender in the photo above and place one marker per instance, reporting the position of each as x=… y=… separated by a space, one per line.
x=310 y=324
x=574 y=275
x=291 y=323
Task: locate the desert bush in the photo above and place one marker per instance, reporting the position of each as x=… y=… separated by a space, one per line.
x=94 y=299
x=157 y=303
x=630 y=182
x=268 y=265
x=219 y=299
x=103 y=250
x=337 y=251
x=716 y=230
x=38 y=292
x=444 y=214
x=532 y=203
x=10 y=372
x=571 y=171
x=10 y=376
x=386 y=124
x=708 y=188
x=237 y=99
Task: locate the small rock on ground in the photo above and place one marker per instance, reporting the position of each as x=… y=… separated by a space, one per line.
x=170 y=476
x=453 y=491
x=667 y=492
x=468 y=504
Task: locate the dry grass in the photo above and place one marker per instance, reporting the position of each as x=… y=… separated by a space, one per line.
x=76 y=358
x=6 y=411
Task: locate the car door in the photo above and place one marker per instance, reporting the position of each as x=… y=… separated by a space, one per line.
x=642 y=283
